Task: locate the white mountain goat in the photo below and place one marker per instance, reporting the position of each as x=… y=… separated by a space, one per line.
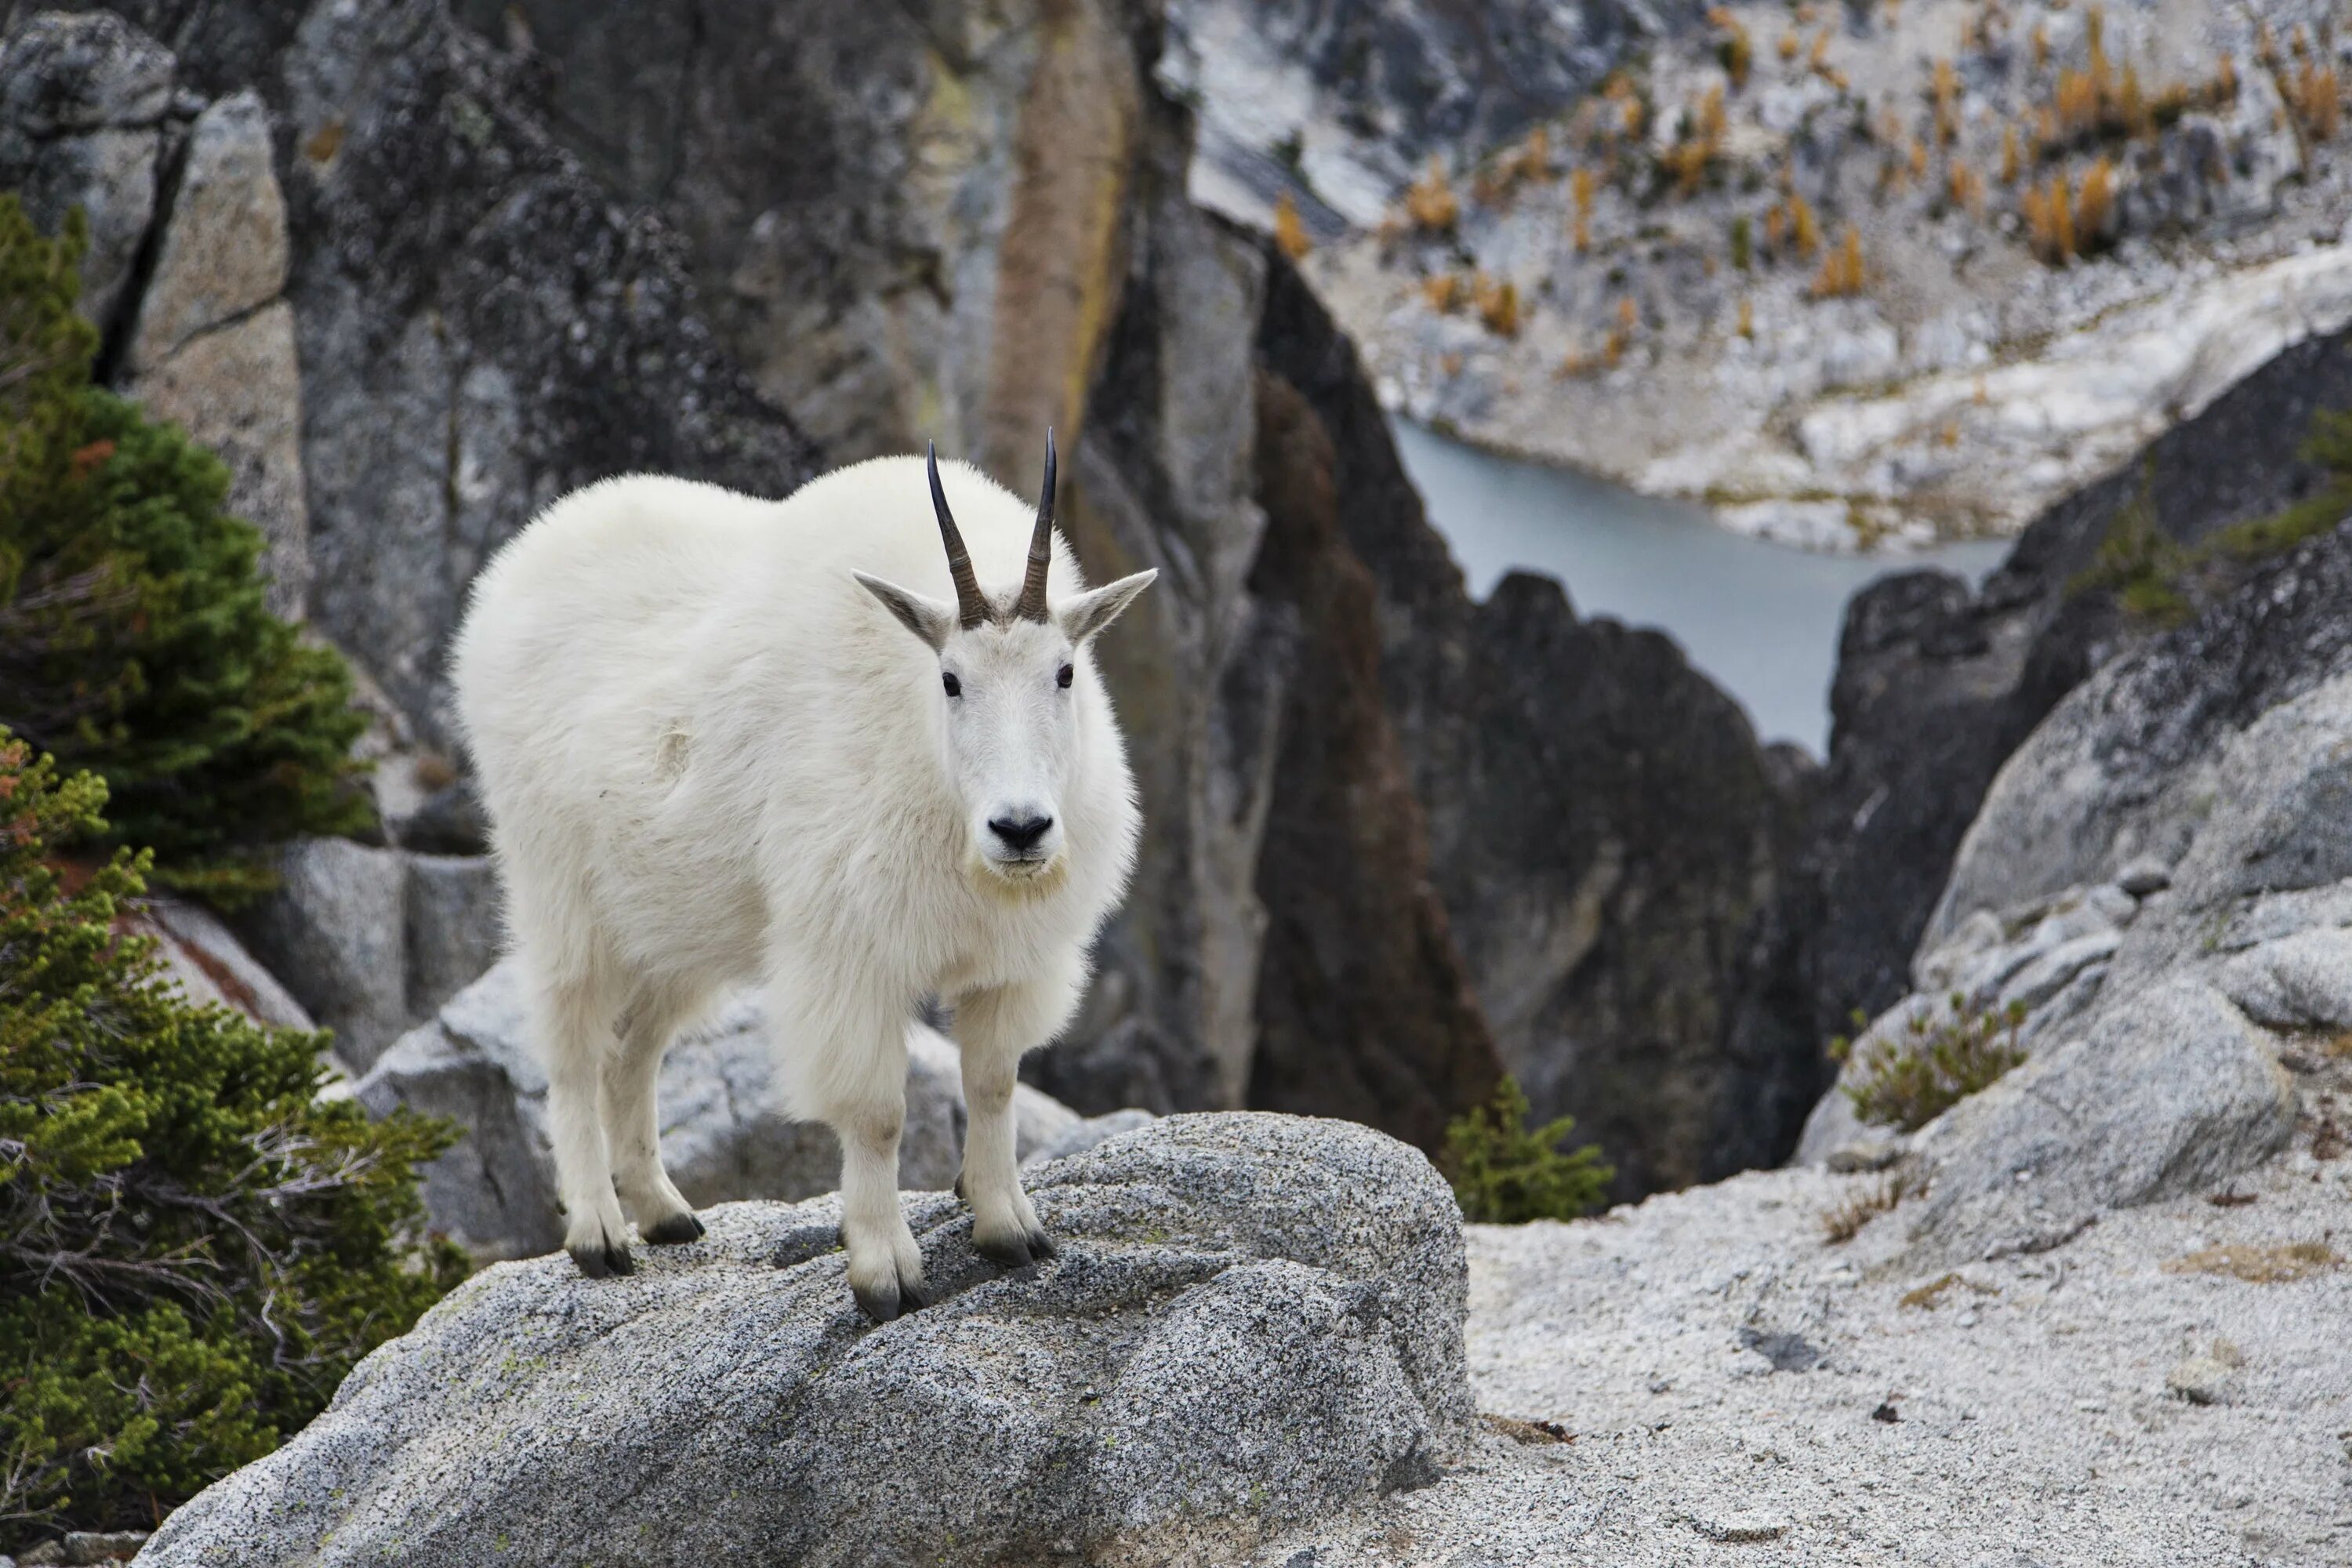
x=723 y=738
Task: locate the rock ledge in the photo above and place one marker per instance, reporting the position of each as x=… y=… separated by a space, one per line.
x=1254 y=1320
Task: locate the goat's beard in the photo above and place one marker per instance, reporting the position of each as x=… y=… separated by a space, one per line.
x=1018 y=881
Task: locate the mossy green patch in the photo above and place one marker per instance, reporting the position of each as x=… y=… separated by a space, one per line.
x=2155 y=578
x=1934 y=1063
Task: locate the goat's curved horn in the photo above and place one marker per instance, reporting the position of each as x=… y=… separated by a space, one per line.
x=972 y=605
x=1032 y=604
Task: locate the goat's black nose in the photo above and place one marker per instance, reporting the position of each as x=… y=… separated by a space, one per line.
x=1022 y=833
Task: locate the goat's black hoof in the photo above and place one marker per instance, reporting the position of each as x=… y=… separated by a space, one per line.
x=675 y=1231
x=602 y=1261
x=889 y=1303
x=1013 y=1252
x=1019 y=1251
x=959 y=1187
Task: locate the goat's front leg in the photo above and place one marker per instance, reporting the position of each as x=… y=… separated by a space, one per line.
x=844 y=1060
x=886 y=1267
x=995 y=1027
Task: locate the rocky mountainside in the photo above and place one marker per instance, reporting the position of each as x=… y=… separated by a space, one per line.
x=1347 y=101
x=2085 y=1314
x=1849 y=274
x=2149 y=909
x=1938 y=684
x=1398 y=842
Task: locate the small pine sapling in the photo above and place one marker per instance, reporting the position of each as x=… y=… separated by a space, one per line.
x=1506 y=1173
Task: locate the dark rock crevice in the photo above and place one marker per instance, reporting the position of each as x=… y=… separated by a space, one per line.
x=122 y=319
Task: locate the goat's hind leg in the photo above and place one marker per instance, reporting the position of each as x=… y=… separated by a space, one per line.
x=574 y=1018
x=632 y=1114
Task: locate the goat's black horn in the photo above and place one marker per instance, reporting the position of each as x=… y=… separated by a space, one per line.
x=1032 y=603
x=972 y=605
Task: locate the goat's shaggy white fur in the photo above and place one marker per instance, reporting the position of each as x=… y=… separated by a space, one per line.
x=711 y=756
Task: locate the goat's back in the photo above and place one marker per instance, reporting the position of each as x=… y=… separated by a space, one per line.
x=656 y=671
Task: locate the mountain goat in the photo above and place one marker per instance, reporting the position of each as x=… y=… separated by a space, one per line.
x=723 y=738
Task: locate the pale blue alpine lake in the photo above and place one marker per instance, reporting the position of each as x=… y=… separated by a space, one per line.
x=1760 y=619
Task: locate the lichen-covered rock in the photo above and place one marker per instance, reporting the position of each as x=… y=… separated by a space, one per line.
x=2182 y=753
x=86 y=106
x=1253 y=1322
x=482 y=328
x=725 y=1132
x=2169 y=1091
x=223 y=252
x=237 y=390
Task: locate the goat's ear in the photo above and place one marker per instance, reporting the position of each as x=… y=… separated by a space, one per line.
x=1086 y=614
x=927 y=618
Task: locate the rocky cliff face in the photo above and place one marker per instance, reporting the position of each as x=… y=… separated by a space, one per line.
x=1937 y=686
x=1347 y=851
x=482 y=328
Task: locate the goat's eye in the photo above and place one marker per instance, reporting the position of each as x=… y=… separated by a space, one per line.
x=1063 y=679
x=955 y=687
